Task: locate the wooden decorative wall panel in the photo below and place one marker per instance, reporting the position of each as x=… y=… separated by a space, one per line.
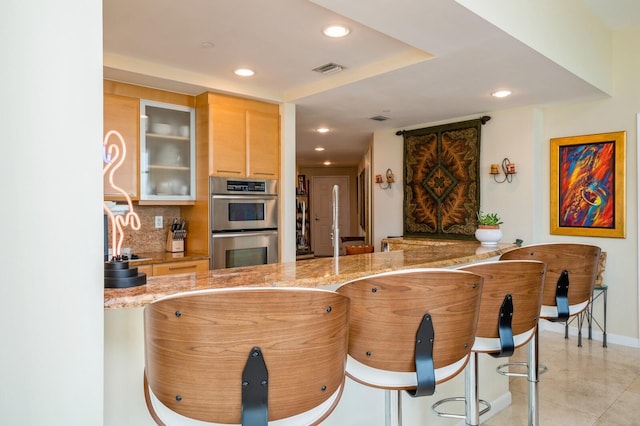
x=442 y=184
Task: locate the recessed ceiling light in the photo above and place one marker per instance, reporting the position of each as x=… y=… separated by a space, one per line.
x=327 y=163
x=501 y=94
x=322 y=130
x=336 y=31
x=319 y=148
x=244 y=72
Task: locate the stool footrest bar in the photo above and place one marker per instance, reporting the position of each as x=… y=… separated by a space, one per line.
x=501 y=369
x=434 y=407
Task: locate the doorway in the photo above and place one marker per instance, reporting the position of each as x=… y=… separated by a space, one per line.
x=322 y=205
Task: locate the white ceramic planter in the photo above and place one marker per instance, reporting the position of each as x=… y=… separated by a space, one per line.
x=488 y=236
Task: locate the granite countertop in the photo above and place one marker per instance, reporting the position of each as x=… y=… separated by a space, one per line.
x=318 y=272
x=416 y=242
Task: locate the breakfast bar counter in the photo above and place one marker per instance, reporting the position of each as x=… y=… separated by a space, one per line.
x=318 y=272
x=124 y=329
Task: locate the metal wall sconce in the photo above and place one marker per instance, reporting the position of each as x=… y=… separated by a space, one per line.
x=508 y=169
x=388 y=180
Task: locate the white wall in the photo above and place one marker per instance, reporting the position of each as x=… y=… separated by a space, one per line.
x=51 y=286
x=509 y=134
x=386 y=203
x=288 y=186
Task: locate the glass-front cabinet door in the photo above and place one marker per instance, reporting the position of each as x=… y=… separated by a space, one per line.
x=167 y=152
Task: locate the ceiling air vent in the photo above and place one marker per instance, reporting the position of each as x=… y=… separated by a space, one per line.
x=380 y=118
x=329 y=68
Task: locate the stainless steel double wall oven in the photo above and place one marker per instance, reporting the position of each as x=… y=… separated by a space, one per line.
x=244 y=222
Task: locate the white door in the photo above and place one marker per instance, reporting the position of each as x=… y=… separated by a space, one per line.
x=322 y=212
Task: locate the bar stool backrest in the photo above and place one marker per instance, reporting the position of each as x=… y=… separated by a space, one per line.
x=197 y=345
x=579 y=260
x=523 y=281
x=386 y=312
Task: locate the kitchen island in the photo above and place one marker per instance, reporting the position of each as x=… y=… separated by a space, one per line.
x=124 y=330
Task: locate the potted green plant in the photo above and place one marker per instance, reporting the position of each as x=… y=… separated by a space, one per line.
x=488 y=232
x=488 y=220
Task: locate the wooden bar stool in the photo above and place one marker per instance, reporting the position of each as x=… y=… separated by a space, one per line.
x=570 y=278
x=568 y=286
x=511 y=300
x=410 y=330
x=246 y=356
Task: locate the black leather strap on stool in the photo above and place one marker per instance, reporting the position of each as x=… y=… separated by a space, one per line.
x=425 y=370
x=562 y=298
x=255 y=386
x=505 y=331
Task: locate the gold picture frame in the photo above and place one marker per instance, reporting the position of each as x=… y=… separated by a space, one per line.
x=588 y=185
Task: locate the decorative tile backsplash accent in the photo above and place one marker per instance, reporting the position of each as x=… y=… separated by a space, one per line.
x=149 y=239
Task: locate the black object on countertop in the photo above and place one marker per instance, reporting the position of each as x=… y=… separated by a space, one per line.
x=117 y=274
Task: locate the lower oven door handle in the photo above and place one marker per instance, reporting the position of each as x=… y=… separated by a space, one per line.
x=243 y=234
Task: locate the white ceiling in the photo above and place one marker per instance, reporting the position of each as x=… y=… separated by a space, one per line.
x=425 y=61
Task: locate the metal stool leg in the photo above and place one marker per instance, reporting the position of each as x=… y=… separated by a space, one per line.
x=533 y=377
x=393 y=408
x=472 y=405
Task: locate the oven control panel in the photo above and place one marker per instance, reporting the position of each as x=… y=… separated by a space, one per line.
x=246 y=186
x=243 y=186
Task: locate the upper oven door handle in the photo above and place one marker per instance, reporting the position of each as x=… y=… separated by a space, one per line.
x=245 y=197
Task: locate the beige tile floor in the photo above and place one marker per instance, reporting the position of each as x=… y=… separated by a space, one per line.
x=590 y=385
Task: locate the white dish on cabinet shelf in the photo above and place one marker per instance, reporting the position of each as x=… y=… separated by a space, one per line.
x=161 y=128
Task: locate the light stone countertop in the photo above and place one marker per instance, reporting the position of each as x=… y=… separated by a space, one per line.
x=318 y=272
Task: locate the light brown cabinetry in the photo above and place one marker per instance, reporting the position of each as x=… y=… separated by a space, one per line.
x=122 y=113
x=229 y=142
x=235 y=138
x=263 y=143
x=243 y=136
x=180 y=267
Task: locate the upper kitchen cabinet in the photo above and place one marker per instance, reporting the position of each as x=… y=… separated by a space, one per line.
x=241 y=136
x=167 y=152
x=122 y=114
x=229 y=146
x=263 y=144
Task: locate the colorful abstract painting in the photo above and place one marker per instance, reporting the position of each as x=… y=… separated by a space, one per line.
x=587 y=185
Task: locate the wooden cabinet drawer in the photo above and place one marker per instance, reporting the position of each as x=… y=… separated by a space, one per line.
x=146 y=269
x=180 y=267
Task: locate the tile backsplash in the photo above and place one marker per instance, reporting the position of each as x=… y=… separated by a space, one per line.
x=148 y=238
